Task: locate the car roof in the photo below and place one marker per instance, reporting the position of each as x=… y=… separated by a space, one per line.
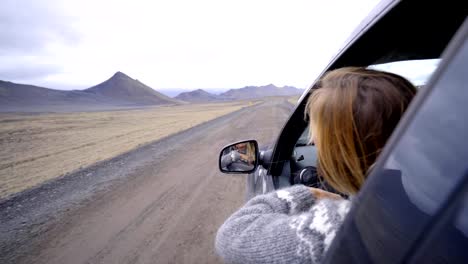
x=404 y=30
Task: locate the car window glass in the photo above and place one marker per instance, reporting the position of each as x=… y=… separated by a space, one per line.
x=432 y=154
x=461 y=219
x=416 y=71
x=446 y=240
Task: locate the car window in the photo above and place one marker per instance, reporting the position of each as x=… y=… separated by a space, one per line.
x=447 y=240
x=416 y=71
x=430 y=155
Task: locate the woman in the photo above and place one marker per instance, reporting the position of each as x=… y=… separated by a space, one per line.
x=238 y=158
x=352 y=114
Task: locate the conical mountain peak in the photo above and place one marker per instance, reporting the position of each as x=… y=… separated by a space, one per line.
x=122 y=88
x=120 y=74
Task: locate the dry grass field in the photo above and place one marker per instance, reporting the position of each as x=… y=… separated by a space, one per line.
x=36 y=148
x=293 y=100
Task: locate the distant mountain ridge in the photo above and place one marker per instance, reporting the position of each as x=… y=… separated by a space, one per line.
x=253 y=92
x=120 y=91
x=19 y=97
x=198 y=96
x=245 y=93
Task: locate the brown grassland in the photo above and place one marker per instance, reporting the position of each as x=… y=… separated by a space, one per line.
x=293 y=99
x=38 y=147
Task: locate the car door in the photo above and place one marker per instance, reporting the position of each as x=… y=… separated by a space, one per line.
x=414 y=206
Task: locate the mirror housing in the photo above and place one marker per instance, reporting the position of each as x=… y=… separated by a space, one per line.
x=239 y=158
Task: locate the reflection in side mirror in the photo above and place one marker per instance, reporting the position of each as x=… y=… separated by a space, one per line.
x=240 y=157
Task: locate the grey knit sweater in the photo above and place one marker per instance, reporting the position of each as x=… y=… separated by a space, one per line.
x=286 y=226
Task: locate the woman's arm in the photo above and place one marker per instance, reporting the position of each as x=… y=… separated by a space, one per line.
x=245 y=157
x=229 y=158
x=286 y=226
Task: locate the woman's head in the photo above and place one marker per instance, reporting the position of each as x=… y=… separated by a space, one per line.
x=352 y=114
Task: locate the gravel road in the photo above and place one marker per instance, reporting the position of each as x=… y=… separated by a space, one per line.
x=161 y=203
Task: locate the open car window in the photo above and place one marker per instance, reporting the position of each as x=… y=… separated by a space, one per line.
x=417 y=72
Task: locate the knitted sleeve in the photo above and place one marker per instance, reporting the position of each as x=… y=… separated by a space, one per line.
x=286 y=226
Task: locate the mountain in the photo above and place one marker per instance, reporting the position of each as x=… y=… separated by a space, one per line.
x=252 y=92
x=248 y=92
x=120 y=91
x=198 y=96
x=23 y=97
x=124 y=90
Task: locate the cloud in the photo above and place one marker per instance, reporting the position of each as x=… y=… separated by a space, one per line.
x=173 y=44
x=28 y=72
x=28 y=27
x=32 y=33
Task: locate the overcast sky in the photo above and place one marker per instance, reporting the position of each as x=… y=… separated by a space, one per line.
x=173 y=44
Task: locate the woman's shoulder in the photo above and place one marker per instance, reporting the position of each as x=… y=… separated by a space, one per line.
x=292 y=222
x=300 y=198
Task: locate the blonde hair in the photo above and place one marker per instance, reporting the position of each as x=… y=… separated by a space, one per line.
x=250 y=152
x=352 y=114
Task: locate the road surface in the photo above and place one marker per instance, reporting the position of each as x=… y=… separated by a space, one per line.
x=161 y=203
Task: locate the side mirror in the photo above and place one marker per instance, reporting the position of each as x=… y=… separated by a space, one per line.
x=240 y=157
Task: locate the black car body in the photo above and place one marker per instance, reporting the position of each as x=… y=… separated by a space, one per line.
x=414 y=205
